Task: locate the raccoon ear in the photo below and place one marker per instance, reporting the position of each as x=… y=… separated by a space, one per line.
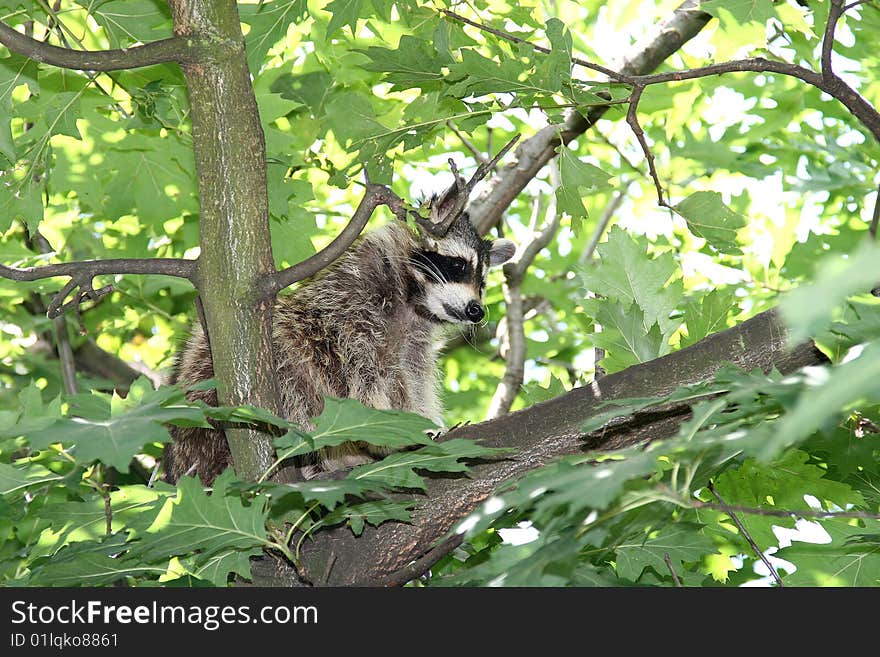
x=501 y=251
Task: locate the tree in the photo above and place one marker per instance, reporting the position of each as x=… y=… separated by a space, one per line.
x=179 y=131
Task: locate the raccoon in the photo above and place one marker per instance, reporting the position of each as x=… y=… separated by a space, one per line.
x=365 y=328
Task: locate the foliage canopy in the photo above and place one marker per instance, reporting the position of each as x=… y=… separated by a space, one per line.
x=772 y=186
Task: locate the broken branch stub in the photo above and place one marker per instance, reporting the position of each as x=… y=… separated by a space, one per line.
x=449 y=206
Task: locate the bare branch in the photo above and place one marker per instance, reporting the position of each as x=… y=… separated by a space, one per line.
x=875 y=219
x=783 y=513
x=672 y=570
x=174 y=49
x=375 y=196
x=614 y=75
x=439 y=225
x=82 y=274
x=746 y=535
x=633 y=120
x=835 y=11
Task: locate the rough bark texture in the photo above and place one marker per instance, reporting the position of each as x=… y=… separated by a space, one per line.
x=539 y=433
x=236 y=249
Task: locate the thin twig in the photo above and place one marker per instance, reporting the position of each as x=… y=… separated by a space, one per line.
x=633 y=120
x=420 y=565
x=672 y=570
x=62 y=338
x=450 y=211
x=56 y=22
x=614 y=75
x=875 y=219
x=479 y=156
x=746 y=535
x=153 y=474
x=835 y=86
x=108 y=511
x=784 y=513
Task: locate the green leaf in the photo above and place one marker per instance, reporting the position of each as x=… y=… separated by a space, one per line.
x=684 y=542
x=850 y=559
x=555 y=69
x=132 y=509
x=810 y=307
x=576 y=175
x=373 y=512
x=626 y=274
x=89 y=563
x=351 y=420
x=399 y=470
x=708 y=315
x=413 y=64
x=130 y=21
x=217 y=568
x=329 y=493
x=20 y=203
x=205 y=524
x=624 y=336
x=16 y=479
x=345 y=12
x=269 y=22
x=830 y=391
x=133 y=422
x=708 y=217
x=780 y=484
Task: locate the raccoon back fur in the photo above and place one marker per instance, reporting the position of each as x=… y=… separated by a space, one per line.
x=365 y=328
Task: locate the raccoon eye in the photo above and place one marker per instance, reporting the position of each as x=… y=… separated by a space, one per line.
x=457 y=265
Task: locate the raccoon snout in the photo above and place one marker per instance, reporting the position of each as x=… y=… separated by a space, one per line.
x=474 y=311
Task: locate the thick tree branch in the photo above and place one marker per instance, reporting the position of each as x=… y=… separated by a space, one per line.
x=174 y=49
x=82 y=274
x=539 y=434
x=375 y=196
x=833 y=86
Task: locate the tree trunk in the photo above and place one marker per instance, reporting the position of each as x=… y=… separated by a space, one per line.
x=236 y=249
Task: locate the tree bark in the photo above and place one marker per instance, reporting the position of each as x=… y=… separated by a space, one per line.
x=236 y=248
x=539 y=433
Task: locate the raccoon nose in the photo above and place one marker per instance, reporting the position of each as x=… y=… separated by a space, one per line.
x=474 y=311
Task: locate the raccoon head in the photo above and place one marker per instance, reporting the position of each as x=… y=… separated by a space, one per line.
x=449 y=271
